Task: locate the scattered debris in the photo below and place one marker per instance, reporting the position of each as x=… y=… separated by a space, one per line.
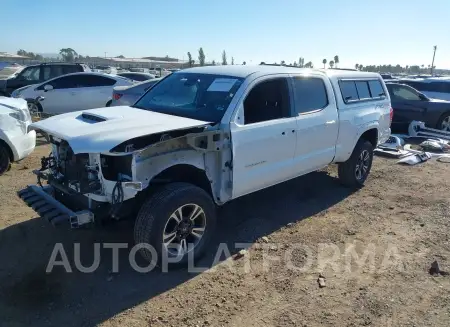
x=435 y=270
x=240 y=254
x=351 y=232
x=321 y=281
x=265 y=239
x=432 y=145
x=415 y=158
x=418 y=128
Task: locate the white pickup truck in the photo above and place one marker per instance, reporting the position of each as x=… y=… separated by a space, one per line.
x=202 y=137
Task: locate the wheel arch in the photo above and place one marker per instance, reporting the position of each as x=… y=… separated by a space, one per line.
x=182 y=172
x=8 y=148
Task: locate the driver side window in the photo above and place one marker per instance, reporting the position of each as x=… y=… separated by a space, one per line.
x=268 y=100
x=405 y=93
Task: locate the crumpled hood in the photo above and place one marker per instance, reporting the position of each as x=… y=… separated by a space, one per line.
x=100 y=130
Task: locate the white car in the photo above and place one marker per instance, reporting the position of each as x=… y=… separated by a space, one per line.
x=15 y=142
x=71 y=92
x=202 y=137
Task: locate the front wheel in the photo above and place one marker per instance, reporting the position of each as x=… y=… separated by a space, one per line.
x=177 y=222
x=354 y=172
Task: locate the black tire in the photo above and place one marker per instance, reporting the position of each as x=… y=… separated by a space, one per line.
x=5 y=160
x=108 y=104
x=154 y=215
x=347 y=171
x=38 y=105
x=444 y=117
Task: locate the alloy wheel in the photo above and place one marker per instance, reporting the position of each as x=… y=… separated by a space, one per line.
x=445 y=125
x=184 y=229
x=362 y=165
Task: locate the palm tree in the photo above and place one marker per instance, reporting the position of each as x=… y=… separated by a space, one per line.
x=336 y=60
x=324 y=62
x=331 y=63
x=360 y=67
x=356 y=66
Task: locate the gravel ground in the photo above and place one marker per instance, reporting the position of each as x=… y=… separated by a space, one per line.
x=296 y=232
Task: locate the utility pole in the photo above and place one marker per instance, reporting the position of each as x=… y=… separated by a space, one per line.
x=432 y=63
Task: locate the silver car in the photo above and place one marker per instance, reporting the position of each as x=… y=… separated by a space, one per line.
x=128 y=95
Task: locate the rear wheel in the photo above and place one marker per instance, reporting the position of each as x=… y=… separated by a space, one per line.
x=354 y=172
x=5 y=161
x=177 y=222
x=34 y=108
x=108 y=104
x=444 y=122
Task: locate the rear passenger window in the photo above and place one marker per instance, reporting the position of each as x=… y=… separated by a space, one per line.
x=363 y=90
x=310 y=94
x=376 y=89
x=349 y=92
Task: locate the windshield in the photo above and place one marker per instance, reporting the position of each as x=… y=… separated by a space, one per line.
x=197 y=96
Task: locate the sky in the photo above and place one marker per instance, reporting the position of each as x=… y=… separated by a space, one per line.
x=358 y=31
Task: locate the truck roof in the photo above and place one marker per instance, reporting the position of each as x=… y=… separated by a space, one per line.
x=243 y=71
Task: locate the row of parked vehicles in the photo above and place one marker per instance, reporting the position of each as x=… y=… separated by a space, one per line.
x=199 y=138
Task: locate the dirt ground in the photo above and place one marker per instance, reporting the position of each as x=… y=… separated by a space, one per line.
x=300 y=229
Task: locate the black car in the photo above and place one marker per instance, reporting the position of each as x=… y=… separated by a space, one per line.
x=36 y=74
x=409 y=104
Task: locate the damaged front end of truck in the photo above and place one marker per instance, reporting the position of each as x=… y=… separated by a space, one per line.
x=105 y=172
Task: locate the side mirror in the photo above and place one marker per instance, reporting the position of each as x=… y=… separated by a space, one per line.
x=422 y=97
x=48 y=87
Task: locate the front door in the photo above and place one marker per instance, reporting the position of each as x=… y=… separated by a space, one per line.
x=317 y=123
x=263 y=136
x=407 y=104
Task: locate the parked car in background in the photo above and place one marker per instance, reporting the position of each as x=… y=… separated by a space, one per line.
x=72 y=92
x=128 y=95
x=410 y=104
x=35 y=74
x=139 y=70
x=433 y=87
x=15 y=141
x=159 y=72
x=139 y=77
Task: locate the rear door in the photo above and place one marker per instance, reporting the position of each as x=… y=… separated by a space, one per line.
x=317 y=122
x=263 y=136
x=94 y=91
x=407 y=104
x=61 y=98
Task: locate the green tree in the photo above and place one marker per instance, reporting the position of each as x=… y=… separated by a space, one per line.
x=283 y=63
x=244 y=63
x=295 y=64
x=361 y=67
x=331 y=63
x=189 y=59
x=224 y=58
x=356 y=66
x=68 y=54
x=301 y=62
x=309 y=64
x=324 y=62
x=201 y=57
x=232 y=60
x=121 y=56
x=213 y=63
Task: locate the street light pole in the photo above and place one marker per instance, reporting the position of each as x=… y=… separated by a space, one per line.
x=432 y=63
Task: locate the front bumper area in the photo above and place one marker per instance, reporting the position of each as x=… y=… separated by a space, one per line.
x=43 y=202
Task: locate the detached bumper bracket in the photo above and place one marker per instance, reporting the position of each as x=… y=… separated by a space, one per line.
x=41 y=200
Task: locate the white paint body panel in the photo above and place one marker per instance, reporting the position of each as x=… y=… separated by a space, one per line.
x=121 y=124
x=13 y=131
